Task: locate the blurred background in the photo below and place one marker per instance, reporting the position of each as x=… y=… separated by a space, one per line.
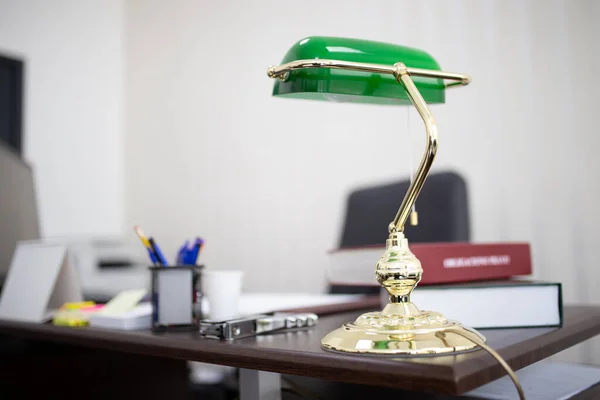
x=160 y=114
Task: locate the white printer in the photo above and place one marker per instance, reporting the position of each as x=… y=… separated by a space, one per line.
x=107 y=265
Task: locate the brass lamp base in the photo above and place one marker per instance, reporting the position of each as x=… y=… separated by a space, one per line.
x=402 y=329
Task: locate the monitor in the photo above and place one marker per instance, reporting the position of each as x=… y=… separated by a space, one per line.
x=11 y=102
x=18 y=207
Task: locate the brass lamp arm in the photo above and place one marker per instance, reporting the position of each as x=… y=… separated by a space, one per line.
x=282 y=71
x=402 y=75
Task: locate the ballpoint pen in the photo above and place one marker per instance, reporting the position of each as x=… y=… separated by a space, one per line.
x=181 y=254
x=147 y=244
x=197 y=249
x=152 y=256
x=159 y=255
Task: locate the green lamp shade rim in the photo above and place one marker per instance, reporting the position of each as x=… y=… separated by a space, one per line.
x=345 y=85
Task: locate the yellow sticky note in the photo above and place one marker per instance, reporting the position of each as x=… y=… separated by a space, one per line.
x=123 y=302
x=78 y=305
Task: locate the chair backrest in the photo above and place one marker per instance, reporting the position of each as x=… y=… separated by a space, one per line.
x=443 y=215
x=442 y=206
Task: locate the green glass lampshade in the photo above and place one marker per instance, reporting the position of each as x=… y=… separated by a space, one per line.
x=345 y=85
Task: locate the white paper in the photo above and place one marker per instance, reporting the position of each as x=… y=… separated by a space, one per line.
x=138 y=318
x=258 y=303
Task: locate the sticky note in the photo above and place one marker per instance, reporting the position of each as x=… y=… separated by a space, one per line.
x=123 y=302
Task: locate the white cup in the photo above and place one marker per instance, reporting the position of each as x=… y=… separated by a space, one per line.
x=222 y=290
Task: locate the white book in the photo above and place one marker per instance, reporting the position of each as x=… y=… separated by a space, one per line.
x=494 y=304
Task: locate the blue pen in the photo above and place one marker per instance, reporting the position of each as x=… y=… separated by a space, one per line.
x=187 y=255
x=152 y=256
x=195 y=251
x=159 y=255
x=182 y=252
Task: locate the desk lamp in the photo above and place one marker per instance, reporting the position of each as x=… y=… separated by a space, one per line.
x=361 y=71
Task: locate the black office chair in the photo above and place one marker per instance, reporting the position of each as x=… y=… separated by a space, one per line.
x=443 y=216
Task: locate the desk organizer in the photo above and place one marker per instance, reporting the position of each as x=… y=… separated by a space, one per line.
x=175 y=298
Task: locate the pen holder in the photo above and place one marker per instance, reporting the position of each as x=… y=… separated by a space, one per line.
x=175 y=300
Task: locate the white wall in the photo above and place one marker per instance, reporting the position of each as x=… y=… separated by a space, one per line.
x=210 y=152
x=73 y=53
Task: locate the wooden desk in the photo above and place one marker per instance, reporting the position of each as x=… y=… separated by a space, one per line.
x=299 y=353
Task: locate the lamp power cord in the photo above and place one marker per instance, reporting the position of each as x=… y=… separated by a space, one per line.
x=498 y=358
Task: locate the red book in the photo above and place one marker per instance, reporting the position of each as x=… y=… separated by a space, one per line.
x=441 y=262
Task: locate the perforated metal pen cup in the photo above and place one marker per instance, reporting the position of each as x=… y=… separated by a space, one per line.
x=175 y=297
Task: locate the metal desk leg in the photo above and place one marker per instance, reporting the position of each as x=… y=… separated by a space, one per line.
x=259 y=385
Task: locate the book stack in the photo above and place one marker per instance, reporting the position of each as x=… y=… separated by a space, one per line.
x=481 y=285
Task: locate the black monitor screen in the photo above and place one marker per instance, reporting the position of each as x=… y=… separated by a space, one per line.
x=11 y=102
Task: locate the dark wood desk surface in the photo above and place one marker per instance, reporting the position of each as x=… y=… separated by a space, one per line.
x=299 y=353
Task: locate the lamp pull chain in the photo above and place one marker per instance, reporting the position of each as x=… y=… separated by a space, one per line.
x=414 y=216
